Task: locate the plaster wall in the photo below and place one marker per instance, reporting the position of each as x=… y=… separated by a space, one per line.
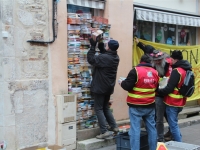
x=58 y=69
x=187 y=6
x=120 y=15
x=24 y=76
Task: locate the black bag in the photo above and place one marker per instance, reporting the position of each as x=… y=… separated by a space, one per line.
x=188 y=87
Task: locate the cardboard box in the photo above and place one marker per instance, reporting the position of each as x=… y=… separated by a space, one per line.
x=105 y=21
x=98 y=33
x=98 y=19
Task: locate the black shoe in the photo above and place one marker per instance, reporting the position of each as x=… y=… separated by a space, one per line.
x=161 y=140
x=168 y=136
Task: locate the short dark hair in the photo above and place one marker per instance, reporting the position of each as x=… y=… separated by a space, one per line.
x=145 y=58
x=177 y=54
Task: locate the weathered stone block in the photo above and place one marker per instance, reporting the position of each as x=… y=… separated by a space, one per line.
x=1 y=98
x=7 y=11
x=31 y=126
x=19 y=42
x=1 y=69
x=8 y=103
x=17 y=101
x=10 y=137
x=2 y=132
x=25 y=17
x=9 y=69
x=1 y=122
x=8 y=46
x=9 y=120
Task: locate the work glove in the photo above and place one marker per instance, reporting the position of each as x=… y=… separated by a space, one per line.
x=101 y=47
x=93 y=43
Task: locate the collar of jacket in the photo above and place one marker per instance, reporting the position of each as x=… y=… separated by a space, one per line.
x=110 y=52
x=144 y=64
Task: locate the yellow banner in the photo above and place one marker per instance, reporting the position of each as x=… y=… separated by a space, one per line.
x=190 y=53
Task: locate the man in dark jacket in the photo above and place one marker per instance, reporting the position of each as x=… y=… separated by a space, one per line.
x=173 y=99
x=103 y=82
x=141 y=84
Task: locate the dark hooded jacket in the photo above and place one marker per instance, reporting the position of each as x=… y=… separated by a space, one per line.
x=105 y=70
x=174 y=77
x=148 y=49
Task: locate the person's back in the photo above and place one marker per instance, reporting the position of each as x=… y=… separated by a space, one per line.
x=104 y=75
x=103 y=82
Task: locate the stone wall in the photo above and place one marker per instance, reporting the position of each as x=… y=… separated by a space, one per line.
x=24 y=73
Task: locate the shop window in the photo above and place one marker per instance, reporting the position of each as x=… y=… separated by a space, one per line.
x=143 y=30
x=77 y=9
x=165 y=33
x=186 y=35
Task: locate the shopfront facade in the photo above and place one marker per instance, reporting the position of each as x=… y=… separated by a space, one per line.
x=170 y=22
x=167 y=24
x=32 y=74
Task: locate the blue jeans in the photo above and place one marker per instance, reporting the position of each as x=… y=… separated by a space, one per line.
x=148 y=115
x=172 y=116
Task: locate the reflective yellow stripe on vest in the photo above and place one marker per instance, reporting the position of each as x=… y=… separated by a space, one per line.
x=140 y=96
x=174 y=95
x=143 y=90
x=175 y=89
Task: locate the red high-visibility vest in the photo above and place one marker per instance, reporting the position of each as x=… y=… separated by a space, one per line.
x=175 y=98
x=143 y=93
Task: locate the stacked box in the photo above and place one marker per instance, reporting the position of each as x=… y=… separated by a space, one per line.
x=80 y=28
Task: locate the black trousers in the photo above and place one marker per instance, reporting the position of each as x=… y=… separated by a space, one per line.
x=104 y=115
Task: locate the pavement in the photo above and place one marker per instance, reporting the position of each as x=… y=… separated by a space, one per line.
x=189 y=123
x=190 y=134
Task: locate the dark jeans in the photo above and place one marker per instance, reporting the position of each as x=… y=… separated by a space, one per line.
x=160 y=113
x=101 y=107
